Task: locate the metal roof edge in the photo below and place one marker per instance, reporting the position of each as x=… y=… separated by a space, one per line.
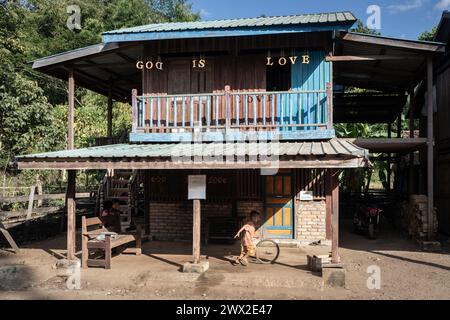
x=205 y=22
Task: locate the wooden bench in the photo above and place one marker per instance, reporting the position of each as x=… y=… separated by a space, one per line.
x=93 y=227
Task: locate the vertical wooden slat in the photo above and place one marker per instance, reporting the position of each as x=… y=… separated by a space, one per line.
x=167 y=112
x=158 y=113
x=290 y=108
x=264 y=105
x=183 y=120
x=217 y=111
x=208 y=111
x=273 y=109
x=246 y=108
x=71 y=120
x=255 y=113
x=191 y=107
x=151 y=112
x=280 y=99
x=175 y=112
x=238 y=116
x=227 y=106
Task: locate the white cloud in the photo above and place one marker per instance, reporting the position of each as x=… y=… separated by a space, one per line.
x=204 y=13
x=406 y=6
x=443 y=5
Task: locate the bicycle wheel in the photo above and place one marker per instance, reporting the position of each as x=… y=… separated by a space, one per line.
x=267 y=251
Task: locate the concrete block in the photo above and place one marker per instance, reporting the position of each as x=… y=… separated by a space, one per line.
x=333 y=276
x=201 y=267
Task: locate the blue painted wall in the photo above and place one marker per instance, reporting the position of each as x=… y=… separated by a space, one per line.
x=307 y=77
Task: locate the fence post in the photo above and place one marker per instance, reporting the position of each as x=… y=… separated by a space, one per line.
x=30 y=209
x=329 y=106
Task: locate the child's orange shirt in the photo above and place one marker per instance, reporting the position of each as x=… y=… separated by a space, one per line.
x=249 y=233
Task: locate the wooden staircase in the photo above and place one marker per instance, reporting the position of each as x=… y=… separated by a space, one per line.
x=122 y=185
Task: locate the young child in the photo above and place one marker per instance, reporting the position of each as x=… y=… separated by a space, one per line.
x=248 y=232
x=110 y=217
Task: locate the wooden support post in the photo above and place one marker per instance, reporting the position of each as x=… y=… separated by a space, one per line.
x=389 y=172
x=411 y=135
x=110 y=112
x=196 y=230
x=134 y=110
x=335 y=217
x=71 y=130
x=71 y=215
x=147 y=201
x=329 y=202
x=329 y=106
x=430 y=135
x=9 y=238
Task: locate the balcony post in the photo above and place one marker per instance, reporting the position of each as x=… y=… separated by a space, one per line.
x=227 y=106
x=329 y=106
x=134 y=110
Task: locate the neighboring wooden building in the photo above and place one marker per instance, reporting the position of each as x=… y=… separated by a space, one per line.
x=442 y=132
x=242 y=96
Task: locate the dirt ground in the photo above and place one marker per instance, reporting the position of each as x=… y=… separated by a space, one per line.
x=406 y=273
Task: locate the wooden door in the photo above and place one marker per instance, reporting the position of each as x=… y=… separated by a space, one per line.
x=279 y=213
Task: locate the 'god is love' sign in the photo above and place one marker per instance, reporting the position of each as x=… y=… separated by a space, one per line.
x=202 y=63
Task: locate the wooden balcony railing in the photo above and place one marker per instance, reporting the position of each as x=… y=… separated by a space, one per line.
x=239 y=110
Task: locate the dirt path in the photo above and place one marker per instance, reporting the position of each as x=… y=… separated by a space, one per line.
x=406 y=273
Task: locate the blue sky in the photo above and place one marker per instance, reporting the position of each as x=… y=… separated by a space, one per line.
x=399 y=18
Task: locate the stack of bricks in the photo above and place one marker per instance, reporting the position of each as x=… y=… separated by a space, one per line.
x=311 y=223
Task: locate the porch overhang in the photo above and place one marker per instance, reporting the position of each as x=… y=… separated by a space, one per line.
x=332 y=154
x=381 y=63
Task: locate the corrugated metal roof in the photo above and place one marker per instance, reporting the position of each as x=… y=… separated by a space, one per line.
x=334 y=147
x=303 y=19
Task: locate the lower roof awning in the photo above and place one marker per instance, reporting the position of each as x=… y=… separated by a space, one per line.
x=335 y=153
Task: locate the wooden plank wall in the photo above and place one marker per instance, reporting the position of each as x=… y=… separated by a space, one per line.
x=243 y=72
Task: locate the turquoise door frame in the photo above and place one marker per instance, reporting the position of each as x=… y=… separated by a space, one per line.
x=279 y=216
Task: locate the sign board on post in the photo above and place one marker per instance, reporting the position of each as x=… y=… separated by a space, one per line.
x=306 y=196
x=197 y=187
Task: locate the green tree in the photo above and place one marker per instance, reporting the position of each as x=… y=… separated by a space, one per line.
x=428 y=35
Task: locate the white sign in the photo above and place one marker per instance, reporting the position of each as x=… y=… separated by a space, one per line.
x=197 y=188
x=306 y=196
